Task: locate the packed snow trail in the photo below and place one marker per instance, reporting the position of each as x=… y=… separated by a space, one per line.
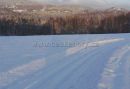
x=102 y=63
x=110 y=72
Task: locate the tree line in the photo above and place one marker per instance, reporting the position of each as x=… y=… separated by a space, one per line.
x=82 y=23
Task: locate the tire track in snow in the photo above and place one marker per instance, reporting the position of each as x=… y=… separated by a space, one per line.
x=12 y=75
x=109 y=74
x=87 y=70
x=58 y=79
x=52 y=67
x=50 y=71
x=70 y=81
x=44 y=81
x=101 y=42
x=56 y=70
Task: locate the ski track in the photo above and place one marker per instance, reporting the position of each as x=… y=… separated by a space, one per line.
x=94 y=65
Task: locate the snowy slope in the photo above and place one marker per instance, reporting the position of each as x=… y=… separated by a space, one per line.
x=101 y=62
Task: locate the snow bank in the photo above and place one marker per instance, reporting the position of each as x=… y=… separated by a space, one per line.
x=78 y=48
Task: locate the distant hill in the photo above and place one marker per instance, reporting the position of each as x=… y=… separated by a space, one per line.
x=15 y=2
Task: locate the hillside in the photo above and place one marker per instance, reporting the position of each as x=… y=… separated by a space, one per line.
x=47 y=19
x=51 y=20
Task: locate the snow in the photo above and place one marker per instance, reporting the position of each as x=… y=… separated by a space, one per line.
x=92 y=62
x=111 y=68
x=13 y=74
x=91 y=44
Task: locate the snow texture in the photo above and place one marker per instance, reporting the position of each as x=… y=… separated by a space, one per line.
x=99 y=62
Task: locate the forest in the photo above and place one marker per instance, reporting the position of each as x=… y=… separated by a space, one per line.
x=98 y=22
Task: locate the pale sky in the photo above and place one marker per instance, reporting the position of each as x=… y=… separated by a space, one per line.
x=86 y=1
x=92 y=3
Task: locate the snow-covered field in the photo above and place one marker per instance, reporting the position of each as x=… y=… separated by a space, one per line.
x=65 y=62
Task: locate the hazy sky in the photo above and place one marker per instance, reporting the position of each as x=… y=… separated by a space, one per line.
x=92 y=3
x=87 y=1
